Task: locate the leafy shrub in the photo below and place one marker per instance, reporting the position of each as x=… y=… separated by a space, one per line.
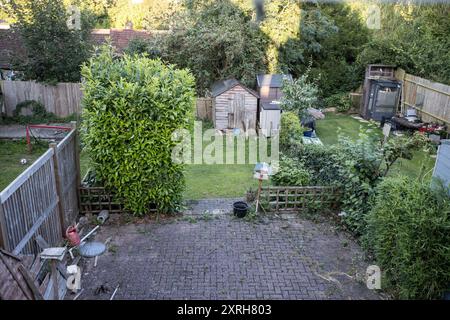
x=408 y=231
x=341 y=101
x=132 y=105
x=291 y=173
x=300 y=95
x=355 y=168
x=291 y=130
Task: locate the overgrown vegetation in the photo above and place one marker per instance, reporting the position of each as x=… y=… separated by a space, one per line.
x=408 y=232
x=132 y=105
x=291 y=130
x=340 y=101
x=355 y=168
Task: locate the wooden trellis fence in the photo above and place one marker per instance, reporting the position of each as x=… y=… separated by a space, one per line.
x=280 y=198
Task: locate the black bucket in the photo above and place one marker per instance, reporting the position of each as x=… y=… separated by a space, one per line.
x=240 y=209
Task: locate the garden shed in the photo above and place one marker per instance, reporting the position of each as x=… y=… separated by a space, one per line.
x=269 y=118
x=269 y=86
x=234 y=105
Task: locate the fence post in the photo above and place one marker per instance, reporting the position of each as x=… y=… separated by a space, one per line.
x=3 y=233
x=62 y=214
x=76 y=144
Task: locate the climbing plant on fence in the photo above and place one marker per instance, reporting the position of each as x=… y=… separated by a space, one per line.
x=132 y=105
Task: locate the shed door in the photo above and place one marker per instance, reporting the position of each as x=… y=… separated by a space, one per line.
x=237 y=111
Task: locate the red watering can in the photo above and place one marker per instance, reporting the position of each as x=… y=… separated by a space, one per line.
x=72 y=236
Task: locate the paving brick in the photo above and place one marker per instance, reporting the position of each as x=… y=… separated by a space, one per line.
x=226 y=258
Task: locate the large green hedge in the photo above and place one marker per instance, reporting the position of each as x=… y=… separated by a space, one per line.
x=131 y=107
x=409 y=232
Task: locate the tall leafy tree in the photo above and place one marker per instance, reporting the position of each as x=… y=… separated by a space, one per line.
x=54 y=53
x=216 y=40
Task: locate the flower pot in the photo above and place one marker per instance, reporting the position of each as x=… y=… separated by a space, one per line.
x=240 y=209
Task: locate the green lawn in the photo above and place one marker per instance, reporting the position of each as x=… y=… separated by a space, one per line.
x=11 y=152
x=215 y=181
x=207 y=181
x=328 y=129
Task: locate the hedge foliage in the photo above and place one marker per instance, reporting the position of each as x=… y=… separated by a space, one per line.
x=409 y=232
x=340 y=101
x=131 y=107
x=291 y=130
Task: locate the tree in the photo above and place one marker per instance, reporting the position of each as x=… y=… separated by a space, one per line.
x=54 y=53
x=216 y=40
x=300 y=95
x=413 y=37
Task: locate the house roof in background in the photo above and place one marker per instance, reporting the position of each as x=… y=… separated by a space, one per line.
x=272 y=80
x=11 y=42
x=222 y=86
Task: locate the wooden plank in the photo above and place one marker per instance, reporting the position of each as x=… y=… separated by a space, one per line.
x=58 y=187
x=68 y=138
x=35 y=227
x=4 y=243
x=24 y=176
x=30 y=283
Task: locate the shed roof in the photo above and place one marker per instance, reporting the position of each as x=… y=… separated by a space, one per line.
x=222 y=86
x=271 y=106
x=272 y=80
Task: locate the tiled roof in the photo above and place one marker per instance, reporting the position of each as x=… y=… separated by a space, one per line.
x=11 y=44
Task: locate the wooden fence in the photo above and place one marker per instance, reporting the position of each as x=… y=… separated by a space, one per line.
x=204 y=109
x=430 y=99
x=62 y=99
x=43 y=200
x=281 y=198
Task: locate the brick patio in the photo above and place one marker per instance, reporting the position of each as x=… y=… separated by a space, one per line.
x=218 y=256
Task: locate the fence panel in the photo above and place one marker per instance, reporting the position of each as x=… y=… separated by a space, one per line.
x=204 y=109
x=431 y=99
x=63 y=99
x=68 y=173
x=30 y=207
x=43 y=200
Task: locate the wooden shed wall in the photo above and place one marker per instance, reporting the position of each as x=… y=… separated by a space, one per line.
x=223 y=103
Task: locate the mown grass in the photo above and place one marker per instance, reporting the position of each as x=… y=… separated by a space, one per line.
x=329 y=129
x=11 y=152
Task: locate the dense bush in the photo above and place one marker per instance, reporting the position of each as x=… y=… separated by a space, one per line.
x=355 y=168
x=131 y=107
x=409 y=233
x=291 y=173
x=291 y=131
x=340 y=101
